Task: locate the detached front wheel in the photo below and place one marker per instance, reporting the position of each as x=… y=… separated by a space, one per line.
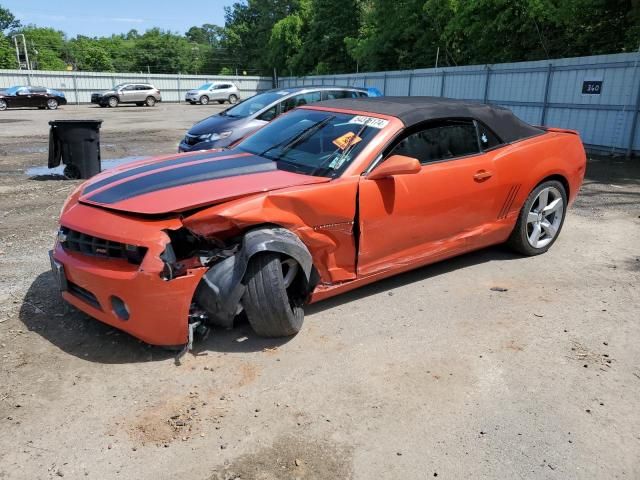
x=272 y=300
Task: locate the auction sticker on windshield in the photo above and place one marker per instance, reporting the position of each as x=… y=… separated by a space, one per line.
x=370 y=121
x=347 y=139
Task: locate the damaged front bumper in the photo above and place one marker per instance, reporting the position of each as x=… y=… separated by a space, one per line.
x=131 y=297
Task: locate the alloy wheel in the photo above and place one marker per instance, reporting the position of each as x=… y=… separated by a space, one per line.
x=52 y=104
x=545 y=217
x=3 y=105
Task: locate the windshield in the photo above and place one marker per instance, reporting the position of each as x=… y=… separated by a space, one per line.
x=204 y=86
x=119 y=86
x=254 y=104
x=313 y=142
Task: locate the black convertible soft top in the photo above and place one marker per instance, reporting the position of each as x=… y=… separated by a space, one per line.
x=414 y=110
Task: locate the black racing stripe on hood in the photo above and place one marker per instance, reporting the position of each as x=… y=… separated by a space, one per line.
x=176 y=177
x=177 y=160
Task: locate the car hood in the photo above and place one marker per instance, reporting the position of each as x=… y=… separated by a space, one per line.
x=215 y=124
x=185 y=182
x=106 y=92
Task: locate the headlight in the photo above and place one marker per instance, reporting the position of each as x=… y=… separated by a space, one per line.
x=214 y=136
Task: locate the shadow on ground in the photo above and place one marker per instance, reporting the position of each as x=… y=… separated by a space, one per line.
x=44 y=312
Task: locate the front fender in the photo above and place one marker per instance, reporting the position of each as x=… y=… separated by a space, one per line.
x=222 y=287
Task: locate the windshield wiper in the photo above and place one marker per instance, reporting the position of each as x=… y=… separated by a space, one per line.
x=289 y=143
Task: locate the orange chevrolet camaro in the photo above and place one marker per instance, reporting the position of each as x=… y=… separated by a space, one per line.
x=322 y=200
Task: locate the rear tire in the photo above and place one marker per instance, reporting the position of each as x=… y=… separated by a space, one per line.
x=540 y=220
x=150 y=101
x=3 y=105
x=273 y=309
x=204 y=100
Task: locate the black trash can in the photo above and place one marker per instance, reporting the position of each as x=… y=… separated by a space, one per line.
x=77 y=144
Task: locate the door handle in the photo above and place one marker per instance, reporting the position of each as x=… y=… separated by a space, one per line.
x=482 y=175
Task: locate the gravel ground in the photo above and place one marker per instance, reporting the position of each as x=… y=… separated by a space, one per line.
x=428 y=374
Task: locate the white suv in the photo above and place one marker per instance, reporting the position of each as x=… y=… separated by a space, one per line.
x=220 y=92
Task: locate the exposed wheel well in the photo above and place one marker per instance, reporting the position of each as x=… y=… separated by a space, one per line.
x=558 y=178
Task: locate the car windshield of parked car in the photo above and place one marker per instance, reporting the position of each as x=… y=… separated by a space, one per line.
x=204 y=86
x=314 y=142
x=253 y=104
x=119 y=86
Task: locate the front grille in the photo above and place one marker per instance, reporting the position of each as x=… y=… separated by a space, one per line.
x=83 y=294
x=99 y=247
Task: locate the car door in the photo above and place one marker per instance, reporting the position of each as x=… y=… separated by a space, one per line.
x=222 y=92
x=38 y=97
x=21 y=98
x=440 y=211
x=128 y=94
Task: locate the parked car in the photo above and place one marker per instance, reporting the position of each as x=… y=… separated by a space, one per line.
x=324 y=199
x=37 y=97
x=142 y=94
x=213 y=92
x=225 y=128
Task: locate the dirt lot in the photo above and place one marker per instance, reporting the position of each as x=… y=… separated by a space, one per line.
x=429 y=374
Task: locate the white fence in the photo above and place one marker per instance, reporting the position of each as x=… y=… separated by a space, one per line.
x=599 y=96
x=78 y=86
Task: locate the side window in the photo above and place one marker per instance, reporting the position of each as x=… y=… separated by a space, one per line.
x=441 y=140
x=335 y=94
x=270 y=114
x=300 y=100
x=488 y=139
x=129 y=88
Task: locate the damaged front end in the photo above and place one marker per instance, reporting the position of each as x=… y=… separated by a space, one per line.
x=218 y=296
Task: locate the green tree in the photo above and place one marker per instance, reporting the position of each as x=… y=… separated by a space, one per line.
x=89 y=55
x=7 y=54
x=7 y=21
x=325 y=49
x=47 y=47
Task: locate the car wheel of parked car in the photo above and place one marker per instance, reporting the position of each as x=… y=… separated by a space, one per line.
x=233 y=99
x=270 y=301
x=150 y=101
x=540 y=219
x=3 y=105
x=204 y=100
x=52 y=104
x=113 y=102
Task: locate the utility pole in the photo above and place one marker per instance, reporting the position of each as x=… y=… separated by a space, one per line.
x=437 y=56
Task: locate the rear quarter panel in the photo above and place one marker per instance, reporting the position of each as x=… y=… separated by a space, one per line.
x=527 y=163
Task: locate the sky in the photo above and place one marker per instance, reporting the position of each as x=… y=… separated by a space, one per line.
x=104 y=17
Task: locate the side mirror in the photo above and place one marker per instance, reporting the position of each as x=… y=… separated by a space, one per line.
x=395 y=165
